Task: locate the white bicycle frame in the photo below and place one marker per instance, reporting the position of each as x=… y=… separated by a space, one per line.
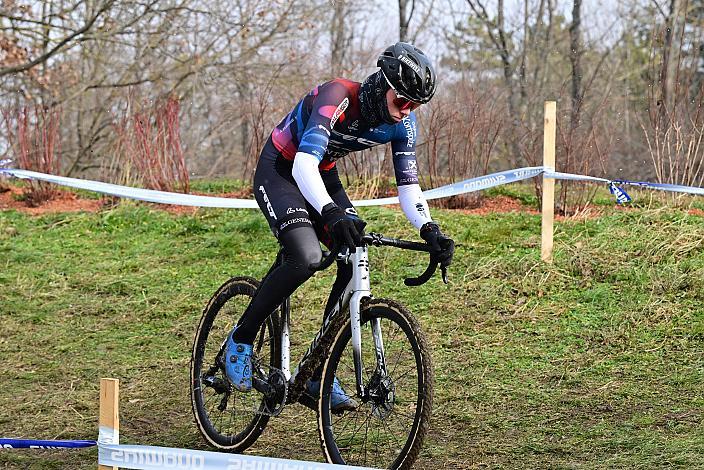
x=354 y=293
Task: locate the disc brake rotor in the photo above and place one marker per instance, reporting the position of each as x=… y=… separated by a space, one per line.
x=382 y=394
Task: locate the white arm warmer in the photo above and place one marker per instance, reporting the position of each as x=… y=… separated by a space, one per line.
x=414 y=204
x=307 y=176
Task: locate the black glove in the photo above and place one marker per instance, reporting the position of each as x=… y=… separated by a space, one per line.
x=345 y=229
x=442 y=246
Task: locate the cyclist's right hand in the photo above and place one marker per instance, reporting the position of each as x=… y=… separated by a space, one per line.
x=345 y=229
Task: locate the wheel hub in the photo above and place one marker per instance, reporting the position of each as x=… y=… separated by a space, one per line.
x=382 y=395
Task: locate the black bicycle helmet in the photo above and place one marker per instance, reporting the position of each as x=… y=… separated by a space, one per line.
x=408 y=71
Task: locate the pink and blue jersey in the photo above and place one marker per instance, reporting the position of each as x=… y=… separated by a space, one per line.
x=328 y=124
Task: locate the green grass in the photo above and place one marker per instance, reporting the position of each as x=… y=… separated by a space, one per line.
x=595 y=361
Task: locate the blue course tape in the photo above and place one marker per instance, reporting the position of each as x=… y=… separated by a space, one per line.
x=42 y=444
x=677 y=188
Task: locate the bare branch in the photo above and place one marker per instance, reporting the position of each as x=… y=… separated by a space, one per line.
x=47 y=55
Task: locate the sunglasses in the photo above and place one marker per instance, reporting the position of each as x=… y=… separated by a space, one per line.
x=404 y=103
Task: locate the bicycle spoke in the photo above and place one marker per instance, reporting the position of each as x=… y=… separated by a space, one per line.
x=358 y=429
x=400 y=378
x=378 y=432
x=366 y=431
x=383 y=423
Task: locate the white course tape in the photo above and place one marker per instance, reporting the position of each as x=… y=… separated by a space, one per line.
x=483 y=182
x=455 y=189
x=569 y=176
x=148 y=195
x=108 y=435
x=112 y=454
x=163 y=197
x=159 y=458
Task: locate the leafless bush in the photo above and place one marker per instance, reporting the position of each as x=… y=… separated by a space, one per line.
x=460 y=130
x=33 y=135
x=148 y=147
x=583 y=148
x=367 y=173
x=674 y=127
x=256 y=121
x=674 y=135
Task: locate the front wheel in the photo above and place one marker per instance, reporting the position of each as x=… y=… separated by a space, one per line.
x=388 y=427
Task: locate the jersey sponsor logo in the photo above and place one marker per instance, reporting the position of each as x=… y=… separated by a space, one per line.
x=289 y=121
x=352 y=138
x=421 y=209
x=410 y=63
x=292 y=210
x=355 y=125
x=333 y=153
x=338 y=112
x=409 y=180
x=412 y=165
x=405 y=153
x=320 y=126
x=269 y=207
x=297 y=220
x=351 y=211
x=410 y=132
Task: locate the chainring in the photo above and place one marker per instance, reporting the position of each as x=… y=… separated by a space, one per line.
x=275 y=402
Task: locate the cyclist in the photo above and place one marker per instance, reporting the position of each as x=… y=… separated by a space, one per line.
x=297 y=187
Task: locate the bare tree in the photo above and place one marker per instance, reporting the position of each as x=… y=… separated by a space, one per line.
x=405 y=13
x=340 y=36
x=575 y=60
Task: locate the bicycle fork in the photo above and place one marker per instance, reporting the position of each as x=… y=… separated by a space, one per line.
x=361 y=289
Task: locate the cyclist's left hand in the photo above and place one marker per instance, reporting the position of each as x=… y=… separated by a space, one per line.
x=441 y=245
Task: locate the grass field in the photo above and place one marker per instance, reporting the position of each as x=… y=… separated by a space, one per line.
x=596 y=361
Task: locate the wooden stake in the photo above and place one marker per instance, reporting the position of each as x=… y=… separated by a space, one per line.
x=109 y=405
x=550 y=126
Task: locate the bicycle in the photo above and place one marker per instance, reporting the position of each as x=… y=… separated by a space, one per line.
x=395 y=396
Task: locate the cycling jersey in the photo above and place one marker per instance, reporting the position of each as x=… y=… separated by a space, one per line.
x=327 y=123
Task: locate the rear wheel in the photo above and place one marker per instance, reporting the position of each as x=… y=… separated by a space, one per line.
x=228 y=419
x=389 y=425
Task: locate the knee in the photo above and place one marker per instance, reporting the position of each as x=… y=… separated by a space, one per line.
x=300 y=261
x=308 y=257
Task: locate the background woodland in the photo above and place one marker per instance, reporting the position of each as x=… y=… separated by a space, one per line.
x=156 y=92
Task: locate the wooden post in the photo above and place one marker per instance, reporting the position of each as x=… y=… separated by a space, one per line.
x=550 y=126
x=109 y=406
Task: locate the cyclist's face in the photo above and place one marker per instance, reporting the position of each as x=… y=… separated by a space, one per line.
x=399 y=107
